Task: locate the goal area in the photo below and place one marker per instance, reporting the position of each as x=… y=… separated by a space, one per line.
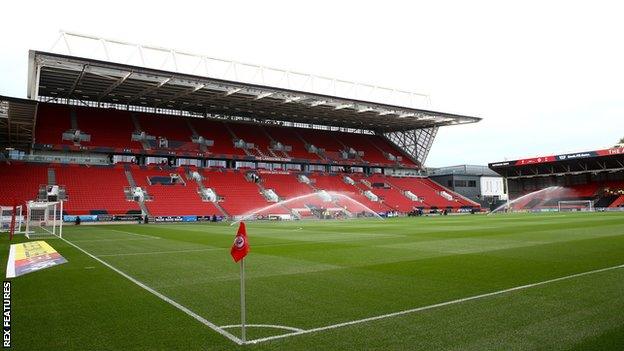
x=575 y=205
x=44 y=219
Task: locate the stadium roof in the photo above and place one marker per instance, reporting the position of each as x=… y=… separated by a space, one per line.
x=53 y=75
x=604 y=160
x=17 y=122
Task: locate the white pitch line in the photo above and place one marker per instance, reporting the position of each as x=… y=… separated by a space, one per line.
x=298 y=243
x=131 y=233
x=273 y=326
x=442 y=304
x=119 y=239
x=162 y=252
x=162 y=297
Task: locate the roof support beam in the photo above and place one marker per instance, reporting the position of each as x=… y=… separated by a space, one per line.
x=77 y=81
x=113 y=86
x=318 y=103
x=150 y=89
x=292 y=99
x=263 y=95
x=232 y=91
x=181 y=94
x=340 y=107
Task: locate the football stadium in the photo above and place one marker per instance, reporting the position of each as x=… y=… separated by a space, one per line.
x=153 y=199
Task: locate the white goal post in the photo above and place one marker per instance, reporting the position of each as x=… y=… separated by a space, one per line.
x=576 y=205
x=44 y=219
x=11 y=218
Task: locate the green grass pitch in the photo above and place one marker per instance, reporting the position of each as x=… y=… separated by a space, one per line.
x=309 y=275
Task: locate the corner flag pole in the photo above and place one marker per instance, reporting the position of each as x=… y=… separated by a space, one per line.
x=239 y=250
x=242 y=297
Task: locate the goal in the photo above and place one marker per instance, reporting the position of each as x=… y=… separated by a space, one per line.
x=576 y=205
x=44 y=219
x=11 y=220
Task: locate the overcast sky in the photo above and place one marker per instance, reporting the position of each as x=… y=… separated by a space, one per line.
x=547 y=77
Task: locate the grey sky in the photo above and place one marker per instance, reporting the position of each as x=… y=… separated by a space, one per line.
x=547 y=77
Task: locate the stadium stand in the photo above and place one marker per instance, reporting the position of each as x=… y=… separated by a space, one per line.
x=56 y=119
x=602 y=194
x=239 y=194
x=336 y=183
x=94 y=190
x=116 y=143
x=113 y=129
x=108 y=128
x=20 y=181
x=167 y=197
x=178 y=135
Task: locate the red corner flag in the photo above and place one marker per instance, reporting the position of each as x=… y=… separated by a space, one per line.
x=240 y=248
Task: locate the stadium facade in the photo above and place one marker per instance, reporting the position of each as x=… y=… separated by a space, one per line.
x=478 y=183
x=114 y=139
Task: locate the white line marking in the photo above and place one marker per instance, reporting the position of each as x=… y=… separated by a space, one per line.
x=129 y=239
x=162 y=297
x=298 y=243
x=442 y=304
x=273 y=326
x=131 y=233
x=162 y=252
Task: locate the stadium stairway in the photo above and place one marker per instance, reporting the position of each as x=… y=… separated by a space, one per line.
x=464 y=201
x=240 y=196
x=217 y=131
x=168 y=198
x=178 y=135
x=249 y=133
x=264 y=191
x=392 y=195
x=275 y=153
x=202 y=187
x=95 y=190
x=287 y=187
x=426 y=190
x=361 y=142
x=336 y=183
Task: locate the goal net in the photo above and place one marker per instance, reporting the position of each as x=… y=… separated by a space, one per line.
x=11 y=220
x=44 y=219
x=576 y=205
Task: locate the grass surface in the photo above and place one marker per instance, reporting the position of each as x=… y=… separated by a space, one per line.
x=313 y=274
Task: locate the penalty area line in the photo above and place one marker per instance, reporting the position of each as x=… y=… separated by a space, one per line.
x=161 y=296
x=429 y=307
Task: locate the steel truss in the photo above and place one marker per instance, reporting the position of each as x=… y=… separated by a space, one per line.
x=415 y=143
x=113 y=50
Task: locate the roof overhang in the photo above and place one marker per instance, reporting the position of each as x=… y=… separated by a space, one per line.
x=604 y=160
x=68 y=77
x=17 y=122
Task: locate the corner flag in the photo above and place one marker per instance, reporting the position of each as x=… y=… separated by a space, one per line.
x=240 y=248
